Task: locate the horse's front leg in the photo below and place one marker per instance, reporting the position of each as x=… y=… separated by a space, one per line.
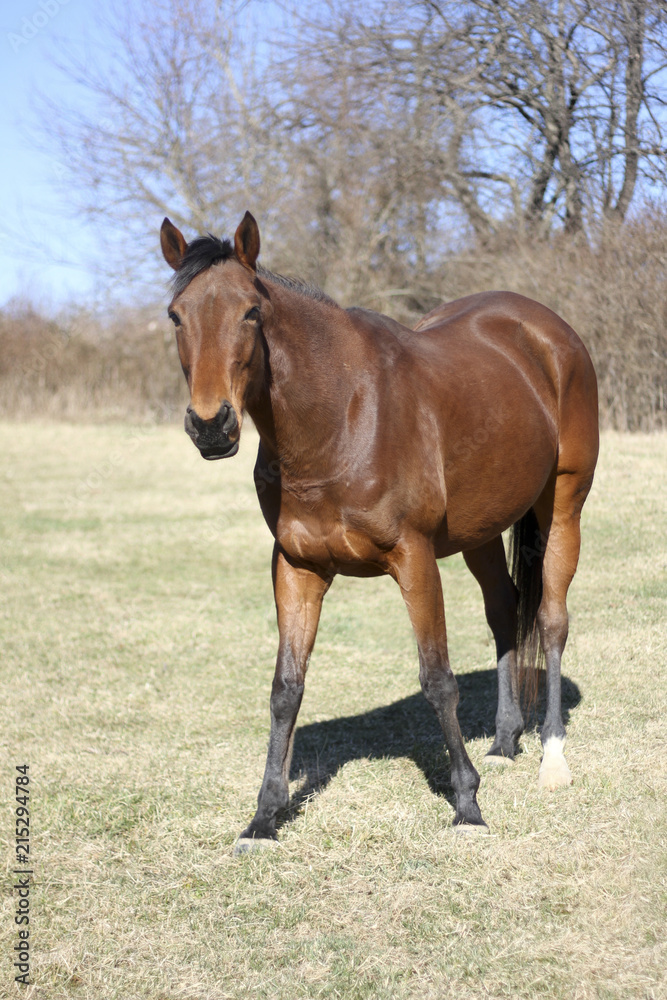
x=298 y=592
x=416 y=571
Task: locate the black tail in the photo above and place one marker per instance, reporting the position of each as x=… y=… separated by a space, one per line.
x=525 y=558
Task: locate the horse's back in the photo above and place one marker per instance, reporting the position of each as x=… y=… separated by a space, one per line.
x=512 y=321
x=539 y=344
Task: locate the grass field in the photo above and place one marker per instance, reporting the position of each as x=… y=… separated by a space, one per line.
x=138 y=642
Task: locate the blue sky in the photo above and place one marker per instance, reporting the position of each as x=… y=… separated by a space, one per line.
x=47 y=249
x=43 y=243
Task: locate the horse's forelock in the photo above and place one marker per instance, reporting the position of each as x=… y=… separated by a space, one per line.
x=201 y=254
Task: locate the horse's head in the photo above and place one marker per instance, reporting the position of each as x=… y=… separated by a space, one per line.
x=217 y=311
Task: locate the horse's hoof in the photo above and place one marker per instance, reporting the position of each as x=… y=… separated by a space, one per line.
x=556 y=775
x=465 y=829
x=554 y=772
x=250 y=845
x=498 y=760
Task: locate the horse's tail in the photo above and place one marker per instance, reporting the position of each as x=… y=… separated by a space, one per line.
x=526 y=554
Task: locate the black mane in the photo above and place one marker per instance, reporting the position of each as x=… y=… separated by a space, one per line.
x=208 y=250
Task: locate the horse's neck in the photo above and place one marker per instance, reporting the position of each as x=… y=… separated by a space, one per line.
x=304 y=401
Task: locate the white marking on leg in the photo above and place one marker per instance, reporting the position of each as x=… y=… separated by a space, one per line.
x=252 y=845
x=554 y=772
x=497 y=760
x=468 y=829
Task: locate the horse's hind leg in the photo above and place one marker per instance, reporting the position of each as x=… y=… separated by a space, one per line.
x=488 y=565
x=417 y=574
x=558 y=512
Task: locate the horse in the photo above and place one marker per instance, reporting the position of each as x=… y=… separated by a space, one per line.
x=383 y=449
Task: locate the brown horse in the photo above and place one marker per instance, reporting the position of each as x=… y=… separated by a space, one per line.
x=383 y=449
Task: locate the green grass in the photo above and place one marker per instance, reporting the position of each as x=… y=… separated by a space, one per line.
x=138 y=641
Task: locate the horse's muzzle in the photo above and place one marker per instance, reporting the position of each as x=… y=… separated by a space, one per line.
x=216 y=438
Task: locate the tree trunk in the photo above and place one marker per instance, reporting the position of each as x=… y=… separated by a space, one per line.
x=634 y=89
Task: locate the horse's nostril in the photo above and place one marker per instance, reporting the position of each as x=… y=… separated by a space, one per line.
x=230 y=420
x=193 y=423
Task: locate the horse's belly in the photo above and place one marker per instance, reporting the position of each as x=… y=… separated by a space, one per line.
x=493 y=489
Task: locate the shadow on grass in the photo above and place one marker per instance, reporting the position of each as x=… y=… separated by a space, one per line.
x=408 y=728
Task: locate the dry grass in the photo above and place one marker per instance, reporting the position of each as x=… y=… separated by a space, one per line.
x=138 y=642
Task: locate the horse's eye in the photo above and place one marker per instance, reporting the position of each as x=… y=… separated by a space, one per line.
x=252 y=314
x=175 y=318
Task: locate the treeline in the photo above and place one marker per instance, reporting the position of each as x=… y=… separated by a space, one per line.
x=394 y=154
x=368 y=139
x=81 y=367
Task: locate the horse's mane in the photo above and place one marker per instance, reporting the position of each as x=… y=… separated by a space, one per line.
x=208 y=250
x=297 y=285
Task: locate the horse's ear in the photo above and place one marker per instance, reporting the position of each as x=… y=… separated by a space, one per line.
x=173 y=244
x=246 y=242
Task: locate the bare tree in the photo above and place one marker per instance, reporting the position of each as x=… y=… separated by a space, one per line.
x=566 y=99
x=538 y=109
x=368 y=141
x=186 y=122
x=578 y=74
x=175 y=123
